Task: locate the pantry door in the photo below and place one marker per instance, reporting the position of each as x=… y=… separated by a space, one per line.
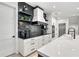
x=7 y=30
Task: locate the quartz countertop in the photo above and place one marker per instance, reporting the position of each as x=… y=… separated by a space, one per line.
x=63 y=46
x=35 y=36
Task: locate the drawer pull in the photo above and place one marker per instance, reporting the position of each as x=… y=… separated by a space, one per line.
x=42 y=39
x=32 y=39
x=32 y=49
x=42 y=44
x=32 y=43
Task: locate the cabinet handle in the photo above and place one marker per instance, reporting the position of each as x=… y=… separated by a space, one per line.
x=32 y=43
x=32 y=49
x=43 y=44
x=42 y=39
x=32 y=39
x=49 y=40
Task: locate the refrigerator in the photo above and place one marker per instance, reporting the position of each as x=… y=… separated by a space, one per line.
x=71 y=31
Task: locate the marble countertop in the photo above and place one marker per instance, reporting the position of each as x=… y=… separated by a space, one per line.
x=63 y=46
x=35 y=36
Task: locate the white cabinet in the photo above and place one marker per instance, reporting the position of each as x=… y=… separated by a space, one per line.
x=50 y=38
x=27 y=46
x=40 y=41
x=43 y=40
x=34 y=42
x=46 y=38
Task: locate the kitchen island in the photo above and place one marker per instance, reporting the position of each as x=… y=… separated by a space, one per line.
x=63 y=46
x=30 y=45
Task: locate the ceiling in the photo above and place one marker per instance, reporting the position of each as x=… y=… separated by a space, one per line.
x=59 y=9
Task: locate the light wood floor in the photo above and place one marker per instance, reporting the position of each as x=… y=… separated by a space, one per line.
x=34 y=54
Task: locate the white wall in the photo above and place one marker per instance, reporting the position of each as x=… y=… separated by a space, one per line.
x=53 y=21
x=74 y=20
x=13 y=4
x=49 y=18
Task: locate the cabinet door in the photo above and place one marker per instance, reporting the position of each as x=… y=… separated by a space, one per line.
x=50 y=38
x=28 y=9
x=40 y=40
x=27 y=47
x=34 y=42
x=46 y=39
x=21 y=46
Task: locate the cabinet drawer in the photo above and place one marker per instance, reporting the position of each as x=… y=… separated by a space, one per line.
x=46 y=39
x=27 y=41
x=29 y=50
x=40 y=43
x=30 y=44
x=34 y=42
x=33 y=49
x=26 y=47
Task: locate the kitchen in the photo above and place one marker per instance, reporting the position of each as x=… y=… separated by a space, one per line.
x=46 y=29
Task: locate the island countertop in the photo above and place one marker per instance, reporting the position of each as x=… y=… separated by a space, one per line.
x=64 y=46
x=35 y=36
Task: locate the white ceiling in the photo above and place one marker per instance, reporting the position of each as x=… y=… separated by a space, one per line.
x=61 y=9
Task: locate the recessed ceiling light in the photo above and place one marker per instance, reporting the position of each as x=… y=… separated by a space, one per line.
x=54 y=6
x=77 y=8
x=74 y=15
x=59 y=12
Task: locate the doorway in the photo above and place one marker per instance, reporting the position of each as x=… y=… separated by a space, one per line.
x=62 y=29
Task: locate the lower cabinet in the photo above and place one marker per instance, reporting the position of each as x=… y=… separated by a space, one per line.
x=43 y=40
x=46 y=39
x=50 y=36
x=40 y=40
x=27 y=46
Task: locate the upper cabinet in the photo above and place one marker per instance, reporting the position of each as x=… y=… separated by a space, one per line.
x=25 y=12
x=25 y=8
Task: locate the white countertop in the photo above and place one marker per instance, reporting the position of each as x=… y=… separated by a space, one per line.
x=61 y=47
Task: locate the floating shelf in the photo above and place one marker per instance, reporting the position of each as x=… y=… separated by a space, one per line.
x=25 y=21
x=22 y=12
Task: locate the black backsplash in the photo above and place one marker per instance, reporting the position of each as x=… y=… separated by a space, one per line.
x=35 y=30
x=25 y=24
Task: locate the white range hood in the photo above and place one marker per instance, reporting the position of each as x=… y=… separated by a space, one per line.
x=38 y=15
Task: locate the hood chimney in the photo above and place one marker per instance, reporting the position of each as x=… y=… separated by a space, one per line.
x=38 y=15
